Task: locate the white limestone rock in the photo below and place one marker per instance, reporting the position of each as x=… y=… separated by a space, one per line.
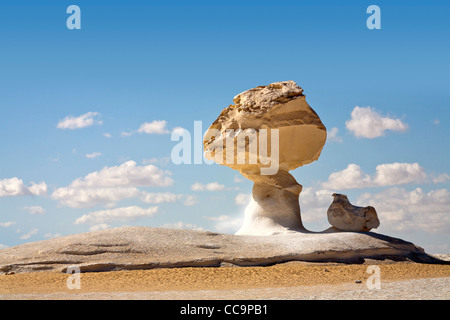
x=269 y=154
x=280 y=105
x=140 y=248
x=347 y=217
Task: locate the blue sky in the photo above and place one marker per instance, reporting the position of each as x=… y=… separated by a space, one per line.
x=138 y=62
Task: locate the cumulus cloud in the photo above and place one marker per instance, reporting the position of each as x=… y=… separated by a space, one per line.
x=112 y=184
x=160 y=197
x=443 y=177
x=190 y=200
x=416 y=210
x=85 y=120
x=213 y=186
x=388 y=174
x=242 y=199
x=101 y=226
x=52 y=235
x=29 y=234
x=226 y=223
x=367 y=123
x=35 y=210
x=314 y=204
x=93 y=155
x=7 y=224
x=124 y=214
x=126 y=134
x=332 y=135
x=37 y=189
x=179 y=131
x=154 y=127
x=163 y=161
x=79 y=197
x=128 y=174
x=15 y=187
x=182 y=225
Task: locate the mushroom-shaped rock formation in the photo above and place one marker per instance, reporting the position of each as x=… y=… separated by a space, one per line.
x=347 y=217
x=268 y=131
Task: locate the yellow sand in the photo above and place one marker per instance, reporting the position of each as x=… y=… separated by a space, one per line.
x=224 y=278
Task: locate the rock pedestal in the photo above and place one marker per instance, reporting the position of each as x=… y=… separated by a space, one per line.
x=274 y=206
x=268 y=131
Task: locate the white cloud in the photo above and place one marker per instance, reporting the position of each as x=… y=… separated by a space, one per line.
x=213 y=186
x=190 y=200
x=38 y=189
x=388 y=174
x=226 y=224
x=127 y=174
x=443 y=177
x=124 y=214
x=237 y=179
x=101 y=226
x=160 y=197
x=7 y=224
x=85 y=120
x=350 y=177
x=90 y=197
x=29 y=234
x=35 y=210
x=107 y=135
x=93 y=155
x=154 y=127
x=126 y=134
x=314 y=204
x=52 y=235
x=242 y=199
x=416 y=210
x=15 y=187
x=112 y=184
x=163 y=161
x=182 y=225
x=180 y=131
x=367 y=123
x=332 y=135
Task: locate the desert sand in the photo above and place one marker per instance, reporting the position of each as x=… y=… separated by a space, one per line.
x=158 y=263
x=293 y=280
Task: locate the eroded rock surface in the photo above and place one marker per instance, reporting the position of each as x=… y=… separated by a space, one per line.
x=347 y=217
x=280 y=105
x=134 y=248
x=268 y=131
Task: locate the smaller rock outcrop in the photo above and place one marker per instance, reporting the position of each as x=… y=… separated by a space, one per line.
x=347 y=217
